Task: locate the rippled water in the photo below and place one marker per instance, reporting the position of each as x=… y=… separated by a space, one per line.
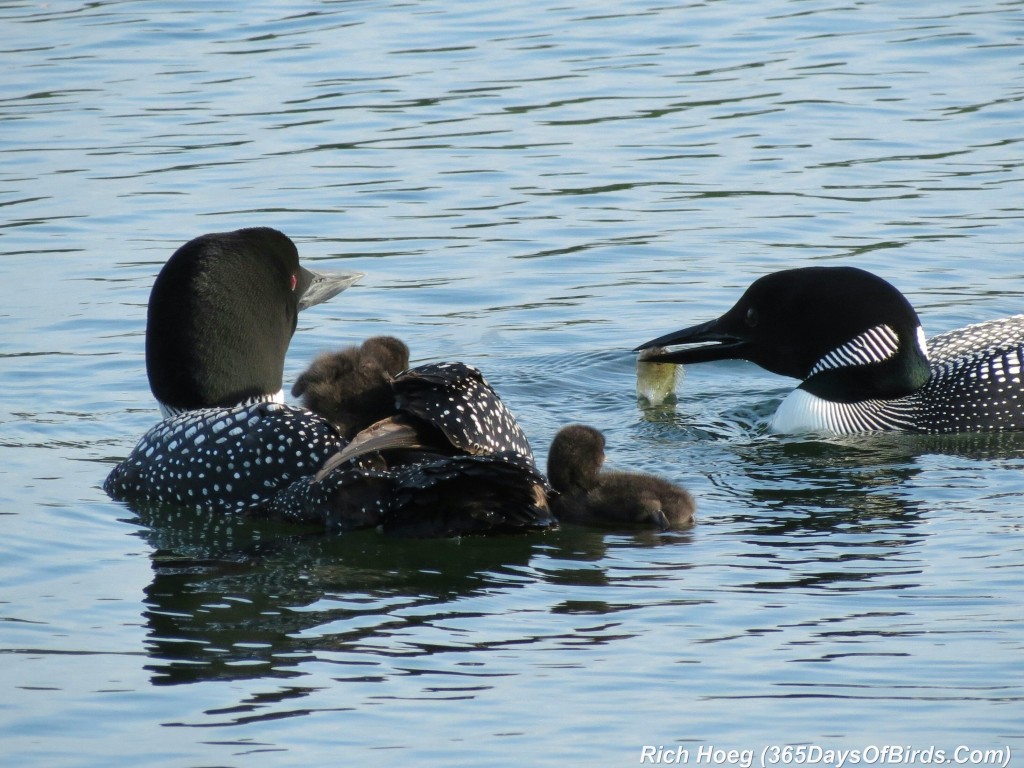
x=534 y=189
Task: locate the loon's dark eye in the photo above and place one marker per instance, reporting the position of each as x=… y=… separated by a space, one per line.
x=752 y=317
x=295 y=281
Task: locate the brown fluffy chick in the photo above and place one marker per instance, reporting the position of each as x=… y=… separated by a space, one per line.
x=585 y=494
x=351 y=388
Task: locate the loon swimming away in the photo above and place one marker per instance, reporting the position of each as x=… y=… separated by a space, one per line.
x=447 y=458
x=586 y=494
x=857 y=346
x=221 y=314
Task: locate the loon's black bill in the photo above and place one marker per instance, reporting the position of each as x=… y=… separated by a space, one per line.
x=318 y=287
x=724 y=346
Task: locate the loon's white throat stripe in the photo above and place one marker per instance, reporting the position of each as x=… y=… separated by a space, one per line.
x=167 y=411
x=873 y=346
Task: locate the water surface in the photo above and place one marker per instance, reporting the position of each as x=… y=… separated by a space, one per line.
x=534 y=189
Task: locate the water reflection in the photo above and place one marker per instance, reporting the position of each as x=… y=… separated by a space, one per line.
x=239 y=599
x=242 y=599
x=842 y=514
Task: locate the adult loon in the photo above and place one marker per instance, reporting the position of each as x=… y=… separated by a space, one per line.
x=858 y=347
x=584 y=493
x=221 y=314
x=434 y=450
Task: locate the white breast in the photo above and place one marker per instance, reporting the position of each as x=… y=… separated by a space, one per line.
x=804 y=413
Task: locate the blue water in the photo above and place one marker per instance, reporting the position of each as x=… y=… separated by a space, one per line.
x=534 y=189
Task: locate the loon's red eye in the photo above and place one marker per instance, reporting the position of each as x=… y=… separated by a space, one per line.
x=295 y=281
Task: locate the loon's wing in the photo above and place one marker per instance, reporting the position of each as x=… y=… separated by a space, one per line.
x=455 y=398
x=977 y=382
x=1002 y=335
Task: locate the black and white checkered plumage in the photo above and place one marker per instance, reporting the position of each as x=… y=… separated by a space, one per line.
x=456 y=399
x=225 y=459
x=857 y=345
x=975 y=385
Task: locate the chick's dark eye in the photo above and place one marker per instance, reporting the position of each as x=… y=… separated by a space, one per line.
x=752 y=318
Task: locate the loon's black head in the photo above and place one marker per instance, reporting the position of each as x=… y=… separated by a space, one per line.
x=221 y=314
x=846 y=333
